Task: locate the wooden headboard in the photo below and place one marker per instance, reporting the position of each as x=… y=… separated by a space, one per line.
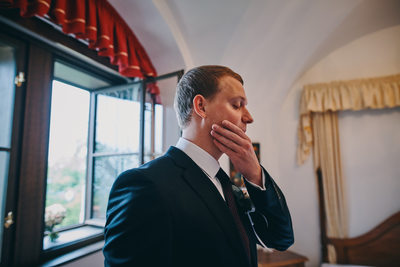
x=378 y=247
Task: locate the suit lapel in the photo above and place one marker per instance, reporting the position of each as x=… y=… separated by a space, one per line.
x=205 y=189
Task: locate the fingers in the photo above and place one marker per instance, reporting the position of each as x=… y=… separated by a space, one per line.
x=222 y=148
x=233 y=155
x=232 y=142
x=230 y=126
x=231 y=132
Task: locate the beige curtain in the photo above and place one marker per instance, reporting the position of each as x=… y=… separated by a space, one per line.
x=374 y=93
x=318 y=128
x=327 y=157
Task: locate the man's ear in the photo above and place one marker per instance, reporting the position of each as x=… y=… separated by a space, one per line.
x=199 y=103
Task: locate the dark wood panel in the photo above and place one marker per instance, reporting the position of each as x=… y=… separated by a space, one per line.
x=32 y=182
x=378 y=247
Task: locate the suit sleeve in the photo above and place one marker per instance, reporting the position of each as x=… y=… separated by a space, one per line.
x=138 y=227
x=277 y=232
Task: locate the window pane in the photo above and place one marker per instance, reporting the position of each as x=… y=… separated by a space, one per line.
x=67 y=153
x=148 y=158
x=117 y=123
x=106 y=170
x=72 y=235
x=158 y=130
x=7 y=74
x=166 y=129
x=148 y=123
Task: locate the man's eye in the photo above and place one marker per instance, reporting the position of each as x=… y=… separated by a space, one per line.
x=236 y=106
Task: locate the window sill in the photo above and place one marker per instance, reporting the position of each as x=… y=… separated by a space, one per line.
x=72 y=244
x=73 y=235
x=74 y=255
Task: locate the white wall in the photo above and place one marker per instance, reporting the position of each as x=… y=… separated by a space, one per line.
x=371 y=165
x=371 y=201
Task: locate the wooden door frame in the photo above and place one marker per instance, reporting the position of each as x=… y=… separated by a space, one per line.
x=15 y=152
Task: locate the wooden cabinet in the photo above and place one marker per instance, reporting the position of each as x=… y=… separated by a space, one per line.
x=279 y=258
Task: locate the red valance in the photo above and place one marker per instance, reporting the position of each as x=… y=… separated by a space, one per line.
x=97 y=22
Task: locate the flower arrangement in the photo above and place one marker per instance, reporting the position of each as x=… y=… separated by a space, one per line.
x=54 y=215
x=242 y=199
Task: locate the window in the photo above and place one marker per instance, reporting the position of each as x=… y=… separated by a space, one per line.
x=62 y=150
x=117 y=142
x=65 y=217
x=66 y=169
x=97 y=131
x=121 y=140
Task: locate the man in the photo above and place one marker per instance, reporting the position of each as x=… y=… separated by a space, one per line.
x=178 y=210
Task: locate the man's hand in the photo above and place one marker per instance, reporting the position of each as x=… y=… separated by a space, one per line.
x=232 y=141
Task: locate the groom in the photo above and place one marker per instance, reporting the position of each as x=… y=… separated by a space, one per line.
x=179 y=210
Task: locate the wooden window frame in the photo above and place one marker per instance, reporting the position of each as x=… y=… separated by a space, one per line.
x=44 y=44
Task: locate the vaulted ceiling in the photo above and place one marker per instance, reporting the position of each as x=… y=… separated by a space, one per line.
x=270 y=43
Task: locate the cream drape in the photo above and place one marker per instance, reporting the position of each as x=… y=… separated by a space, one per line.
x=318 y=128
x=327 y=157
x=374 y=93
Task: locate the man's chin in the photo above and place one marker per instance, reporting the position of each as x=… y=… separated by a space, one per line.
x=218 y=153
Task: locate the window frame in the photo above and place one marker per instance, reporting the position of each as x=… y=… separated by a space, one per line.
x=89 y=221
x=92 y=154
x=64 y=248
x=44 y=45
x=91 y=148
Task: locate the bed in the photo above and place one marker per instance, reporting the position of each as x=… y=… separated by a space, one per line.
x=378 y=247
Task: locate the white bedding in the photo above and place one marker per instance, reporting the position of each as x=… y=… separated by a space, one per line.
x=324 y=264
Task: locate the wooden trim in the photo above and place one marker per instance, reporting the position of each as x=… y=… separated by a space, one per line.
x=33 y=170
x=378 y=247
x=375 y=233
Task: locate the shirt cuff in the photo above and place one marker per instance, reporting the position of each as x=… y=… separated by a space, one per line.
x=262 y=181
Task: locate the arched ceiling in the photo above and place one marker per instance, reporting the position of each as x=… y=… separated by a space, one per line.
x=270 y=43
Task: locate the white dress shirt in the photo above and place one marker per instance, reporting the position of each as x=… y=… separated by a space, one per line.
x=207 y=163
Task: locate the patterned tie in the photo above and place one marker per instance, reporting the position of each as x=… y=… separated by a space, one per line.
x=230 y=201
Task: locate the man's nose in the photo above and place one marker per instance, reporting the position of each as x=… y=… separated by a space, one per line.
x=246 y=117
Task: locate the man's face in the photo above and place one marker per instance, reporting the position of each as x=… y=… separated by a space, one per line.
x=229 y=104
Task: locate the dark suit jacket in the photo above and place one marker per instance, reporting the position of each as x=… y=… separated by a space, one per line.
x=168 y=213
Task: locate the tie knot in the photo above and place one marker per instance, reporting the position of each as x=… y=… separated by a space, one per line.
x=222 y=176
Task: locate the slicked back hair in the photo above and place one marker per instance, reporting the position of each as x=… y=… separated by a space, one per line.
x=203 y=80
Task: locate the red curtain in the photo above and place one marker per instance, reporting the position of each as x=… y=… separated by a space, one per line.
x=97 y=22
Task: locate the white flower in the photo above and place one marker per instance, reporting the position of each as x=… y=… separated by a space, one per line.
x=54 y=215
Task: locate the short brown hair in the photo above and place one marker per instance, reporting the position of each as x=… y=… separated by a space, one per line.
x=203 y=81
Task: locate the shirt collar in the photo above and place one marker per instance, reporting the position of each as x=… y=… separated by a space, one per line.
x=204 y=160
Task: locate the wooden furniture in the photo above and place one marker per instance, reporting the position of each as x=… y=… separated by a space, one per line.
x=280 y=258
x=378 y=247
